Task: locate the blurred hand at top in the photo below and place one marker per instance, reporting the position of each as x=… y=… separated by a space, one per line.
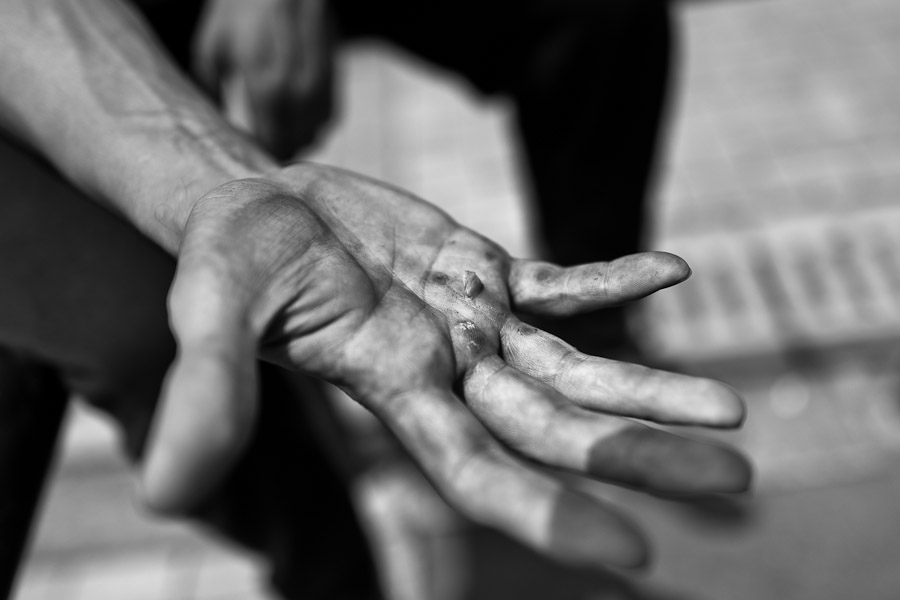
x=278 y=53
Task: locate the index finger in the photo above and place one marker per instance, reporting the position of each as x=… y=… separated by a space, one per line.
x=548 y=289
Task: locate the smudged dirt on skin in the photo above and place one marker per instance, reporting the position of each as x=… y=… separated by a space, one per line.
x=439 y=278
x=544 y=274
x=526 y=330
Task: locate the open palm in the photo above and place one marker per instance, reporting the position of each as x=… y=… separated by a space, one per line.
x=382 y=294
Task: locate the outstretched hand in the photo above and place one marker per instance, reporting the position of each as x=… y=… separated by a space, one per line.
x=372 y=289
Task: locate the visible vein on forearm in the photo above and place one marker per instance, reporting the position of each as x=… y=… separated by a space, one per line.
x=89 y=86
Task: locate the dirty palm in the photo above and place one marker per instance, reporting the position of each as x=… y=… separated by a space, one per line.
x=478 y=397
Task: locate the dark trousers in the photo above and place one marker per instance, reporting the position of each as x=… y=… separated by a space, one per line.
x=588 y=79
x=82 y=303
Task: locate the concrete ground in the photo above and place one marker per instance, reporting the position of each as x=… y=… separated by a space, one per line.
x=779 y=185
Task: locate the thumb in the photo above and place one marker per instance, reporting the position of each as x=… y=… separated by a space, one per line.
x=208 y=407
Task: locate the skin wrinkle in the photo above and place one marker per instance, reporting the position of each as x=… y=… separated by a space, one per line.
x=565 y=299
x=557 y=416
x=484 y=392
x=269 y=212
x=166 y=217
x=440 y=250
x=393 y=253
x=604 y=284
x=560 y=413
x=343 y=364
x=409 y=429
x=315 y=239
x=467 y=487
x=535 y=289
x=435 y=349
x=609 y=391
x=284 y=315
x=567 y=363
x=448 y=240
x=321 y=197
x=509 y=344
x=644 y=399
x=643 y=389
x=320 y=194
x=526 y=330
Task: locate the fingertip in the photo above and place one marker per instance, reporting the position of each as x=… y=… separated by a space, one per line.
x=674 y=269
x=179 y=474
x=157 y=494
x=181 y=470
x=634 y=553
x=656 y=460
x=741 y=481
x=702 y=402
x=205 y=419
x=585 y=532
x=727 y=472
x=640 y=559
x=726 y=408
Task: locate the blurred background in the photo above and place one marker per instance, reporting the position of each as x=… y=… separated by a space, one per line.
x=780 y=185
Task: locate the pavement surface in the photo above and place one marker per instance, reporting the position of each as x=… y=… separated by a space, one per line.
x=779 y=185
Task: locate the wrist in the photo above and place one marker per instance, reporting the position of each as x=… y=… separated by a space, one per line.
x=161 y=204
x=106 y=107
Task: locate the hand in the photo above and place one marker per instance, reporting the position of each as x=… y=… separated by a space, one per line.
x=372 y=289
x=280 y=51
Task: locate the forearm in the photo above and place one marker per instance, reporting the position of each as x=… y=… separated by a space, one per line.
x=85 y=84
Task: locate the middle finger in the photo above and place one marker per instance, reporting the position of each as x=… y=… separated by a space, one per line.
x=542 y=424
